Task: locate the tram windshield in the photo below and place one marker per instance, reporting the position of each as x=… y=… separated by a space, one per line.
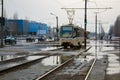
x=66 y=31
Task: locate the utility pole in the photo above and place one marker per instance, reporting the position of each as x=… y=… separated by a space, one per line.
x=57 y=28
x=2 y=23
x=85 y=24
x=96 y=26
x=2 y=8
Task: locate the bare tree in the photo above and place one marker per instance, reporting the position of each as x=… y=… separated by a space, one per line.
x=4 y=14
x=15 y=16
x=116 y=29
x=111 y=30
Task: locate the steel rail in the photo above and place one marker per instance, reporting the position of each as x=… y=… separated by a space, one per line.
x=21 y=64
x=54 y=69
x=86 y=78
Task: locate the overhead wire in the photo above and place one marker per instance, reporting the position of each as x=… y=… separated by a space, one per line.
x=67 y=5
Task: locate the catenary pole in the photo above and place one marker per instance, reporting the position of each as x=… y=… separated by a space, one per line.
x=2 y=26
x=85 y=23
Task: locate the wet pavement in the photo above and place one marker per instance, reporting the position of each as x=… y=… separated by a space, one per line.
x=113 y=69
x=108 y=61
x=10 y=52
x=12 y=63
x=30 y=72
x=107 y=66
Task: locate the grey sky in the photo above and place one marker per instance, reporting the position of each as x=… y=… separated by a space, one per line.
x=39 y=10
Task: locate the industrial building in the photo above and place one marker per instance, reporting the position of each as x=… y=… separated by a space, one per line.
x=25 y=27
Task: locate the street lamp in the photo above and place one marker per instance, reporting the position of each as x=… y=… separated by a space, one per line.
x=56 y=24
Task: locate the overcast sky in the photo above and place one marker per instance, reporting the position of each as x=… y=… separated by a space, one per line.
x=39 y=10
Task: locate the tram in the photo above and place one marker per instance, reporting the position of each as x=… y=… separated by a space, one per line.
x=71 y=35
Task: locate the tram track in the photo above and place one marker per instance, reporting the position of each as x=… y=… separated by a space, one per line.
x=23 y=60
x=11 y=64
x=10 y=70
x=55 y=70
x=26 y=69
x=51 y=75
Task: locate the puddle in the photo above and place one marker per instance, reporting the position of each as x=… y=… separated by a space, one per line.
x=30 y=58
x=48 y=48
x=54 y=60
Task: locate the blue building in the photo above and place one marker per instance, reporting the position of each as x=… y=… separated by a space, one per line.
x=22 y=27
x=36 y=28
x=33 y=27
x=16 y=27
x=42 y=29
x=25 y=27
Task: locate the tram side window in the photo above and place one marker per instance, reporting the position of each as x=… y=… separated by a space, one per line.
x=74 y=33
x=78 y=33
